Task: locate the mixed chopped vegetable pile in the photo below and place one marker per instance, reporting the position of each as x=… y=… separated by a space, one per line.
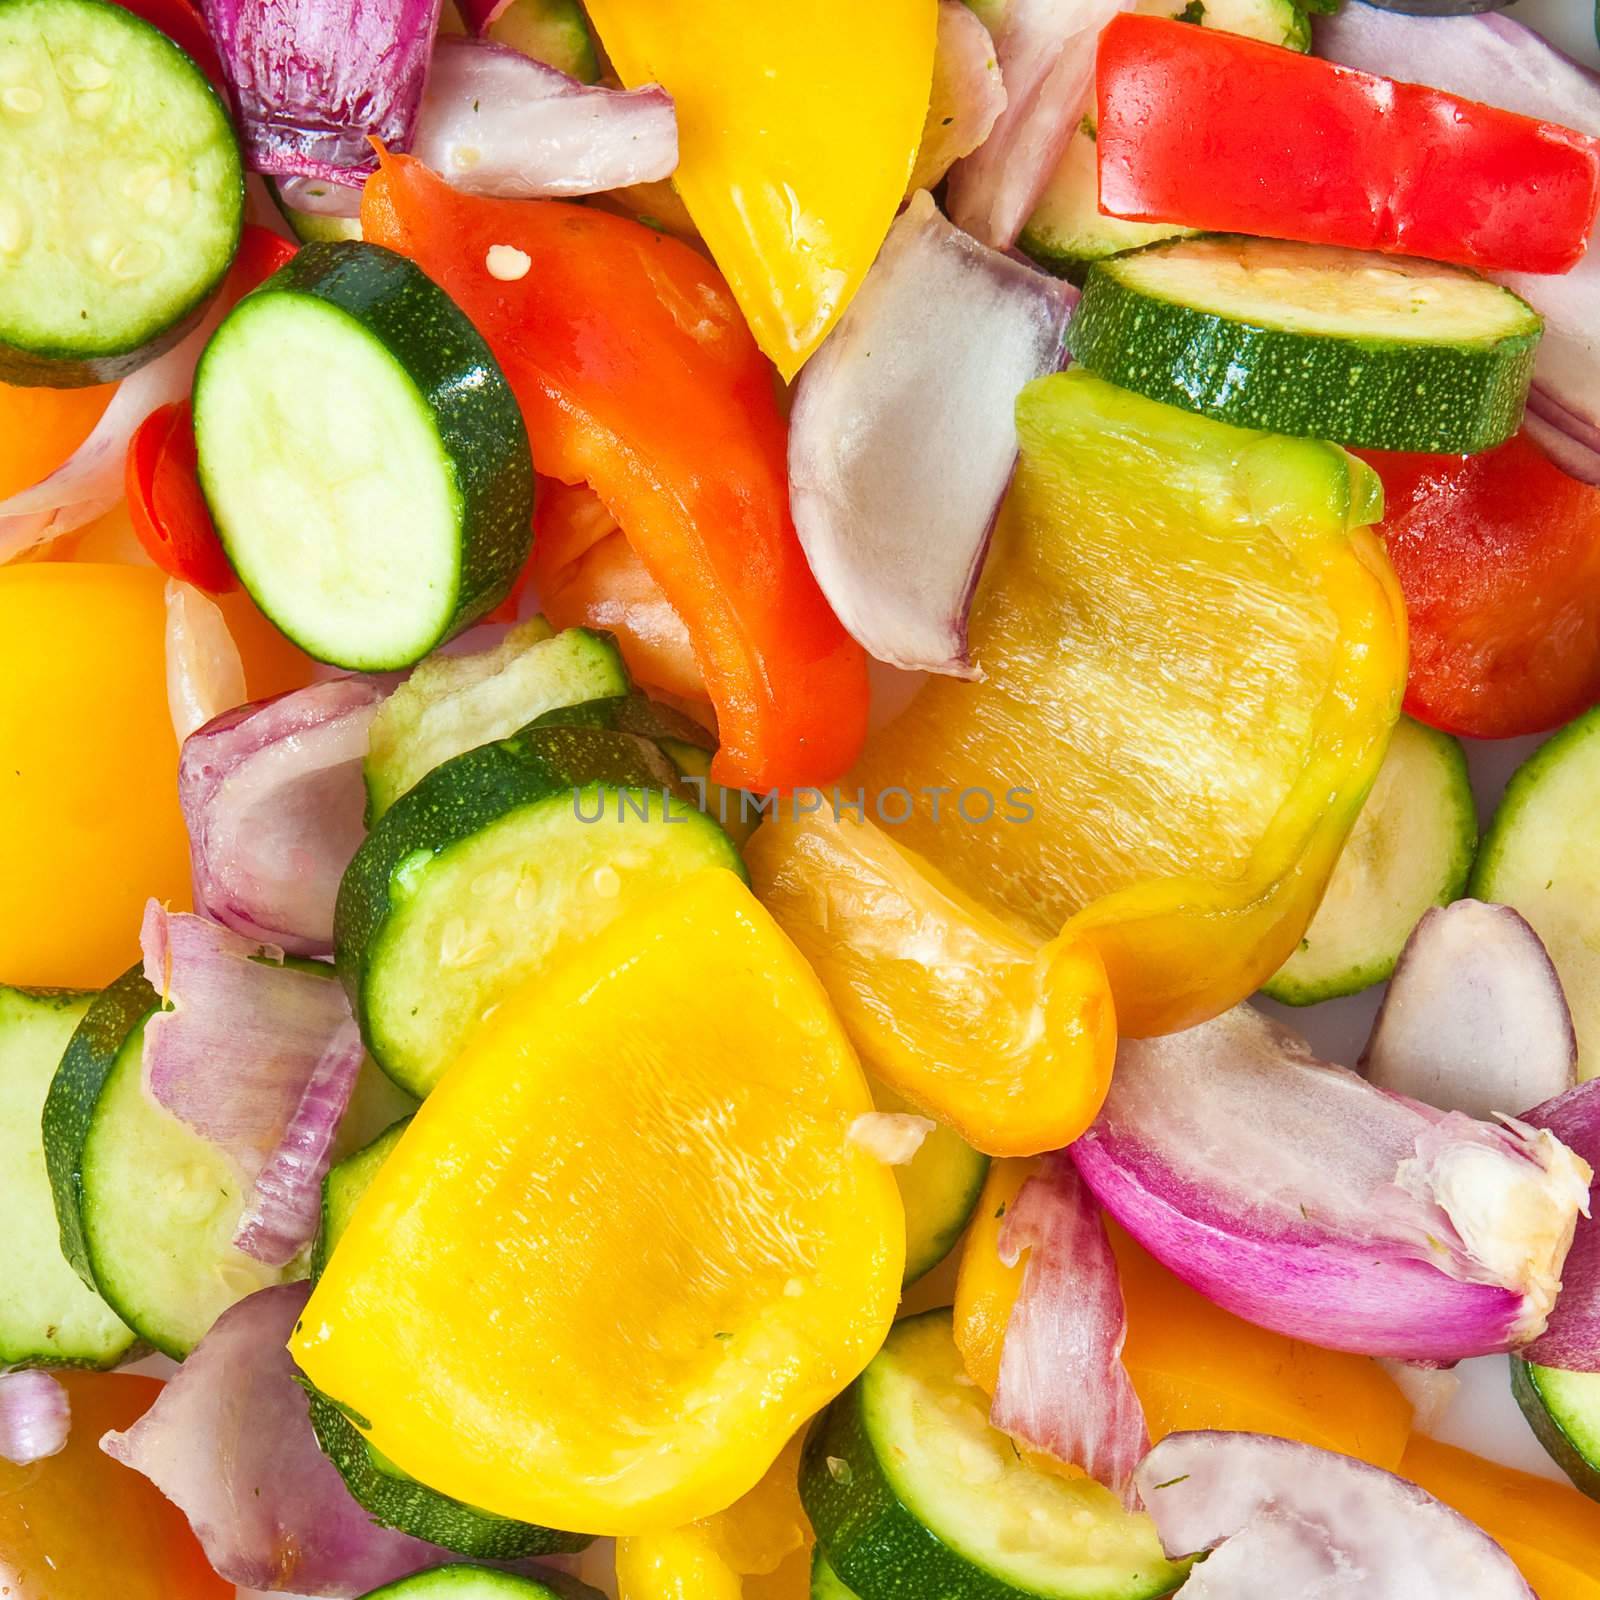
x=1060 y=504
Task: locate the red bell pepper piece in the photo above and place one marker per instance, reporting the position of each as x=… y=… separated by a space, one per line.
x=636 y=374
x=1498 y=556
x=168 y=512
x=1215 y=131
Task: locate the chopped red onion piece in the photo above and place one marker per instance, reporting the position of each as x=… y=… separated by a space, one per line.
x=35 y=1417
x=902 y=437
x=89 y=482
x=1504 y=63
x=312 y=83
x=1572 y=1340
x=257 y=1057
x=1431 y=1391
x=319 y=198
x=1295 y=1194
x=1285 y=1518
x=229 y=1442
x=205 y=676
x=967 y=98
x=1062 y=1386
x=273 y=797
x=497 y=122
x=481 y=15
x=1046 y=50
x=1474 y=1018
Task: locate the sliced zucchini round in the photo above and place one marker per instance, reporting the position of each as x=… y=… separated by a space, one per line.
x=1541 y=856
x=122 y=197
x=555 y=32
x=464 y=1582
x=939 y=1188
x=1411 y=848
x=344 y=1185
x=826 y=1584
x=48 y=1316
x=363 y=456
x=1563 y=1409
x=397 y=1500
x=492 y=867
x=147 y=1209
x=313 y=227
x=912 y=1494
x=452 y=704
x=1384 y=352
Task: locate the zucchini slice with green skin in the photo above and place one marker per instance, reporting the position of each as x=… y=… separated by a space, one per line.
x=490 y=868
x=344 y=1186
x=1067 y=230
x=1541 y=856
x=147 y=1209
x=48 y=1316
x=123 y=195
x=552 y=31
x=398 y=1501
x=464 y=1582
x=826 y=1584
x=394 y=1498
x=1383 y=352
x=939 y=1188
x=313 y=227
x=452 y=704
x=1411 y=848
x=1563 y=1409
x=912 y=1493
x=363 y=456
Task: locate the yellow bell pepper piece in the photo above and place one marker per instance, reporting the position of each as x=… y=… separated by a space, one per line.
x=89 y=820
x=626 y=1247
x=798 y=123
x=1193 y=1365
x=1192 y=653
x=758 y=1549
x=1009 y=1041
x=1550 y=1530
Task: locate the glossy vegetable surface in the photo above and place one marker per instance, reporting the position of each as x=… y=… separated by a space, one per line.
x=1299 y=148
x=636 y=375
x=677 y=1255
x=798 y=126
x=78 y=1526
x=92 y=783
x=1192 y=653
x=1498 y=556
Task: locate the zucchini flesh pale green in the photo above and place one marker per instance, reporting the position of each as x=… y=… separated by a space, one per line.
x=1067 y=230
x=463 y=1582
x=491 y=867
x=364 y=459
x=48 y=1315
x=452 y=704
x=1383 y=352
x=1563 y=1409
x=122 y=197
x=555 y=32
x=1411 y=848
x=1541 y=856
x=912 y=1494
x=148 y=1210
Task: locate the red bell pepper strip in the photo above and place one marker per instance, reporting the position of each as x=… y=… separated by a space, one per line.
x=165 y=505
x=636 y=373
x=1215 y=131
x=1498 y=556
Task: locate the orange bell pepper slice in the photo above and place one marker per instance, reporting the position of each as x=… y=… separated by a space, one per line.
x=637 y=375
x=1193 y=1365
x=1551 y=1531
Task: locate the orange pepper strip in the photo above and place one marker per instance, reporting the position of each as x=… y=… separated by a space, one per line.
x=1551 y=1531
x=1193 y=1364
x=636 y=374
x=40 y=428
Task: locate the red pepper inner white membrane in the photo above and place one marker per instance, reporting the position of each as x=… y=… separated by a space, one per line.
x=1482 y=1416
